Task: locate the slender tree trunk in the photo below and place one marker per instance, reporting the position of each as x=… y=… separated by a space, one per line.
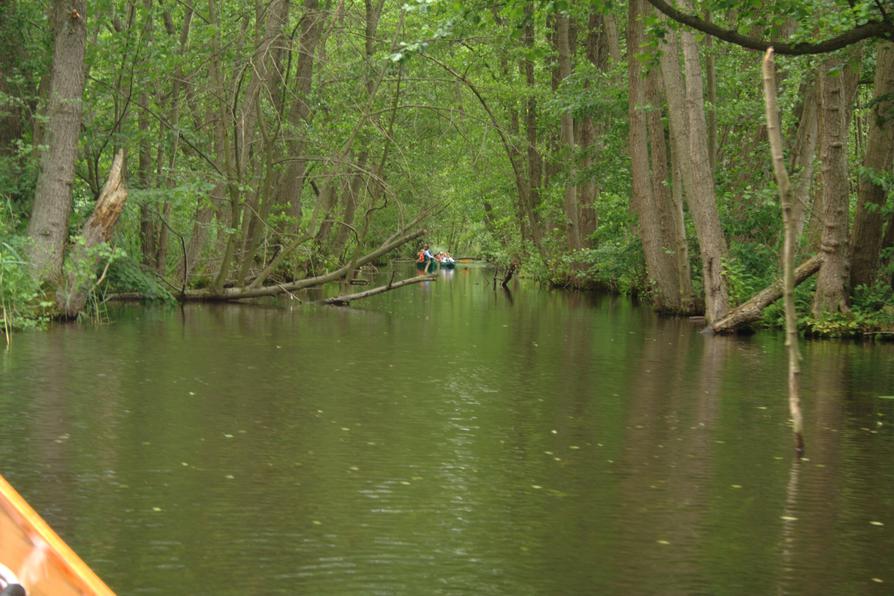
x=803 y=156
x=351 y=198
x=225 y=156
x=12 y=54
x=572 y=222
x=292 y=180
x=599 y=46
x=531 y=200
x=148 y=224
x=48 y=227
x=711 y=91
x=866 y=239
x=774 y=135
x=254 y=130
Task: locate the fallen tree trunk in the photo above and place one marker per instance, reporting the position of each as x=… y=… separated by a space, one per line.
x=348 y=298
x=227 y=294
x=80 y=269
x=750 y=311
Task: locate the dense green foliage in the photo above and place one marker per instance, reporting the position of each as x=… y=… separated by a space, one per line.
x=448 y=108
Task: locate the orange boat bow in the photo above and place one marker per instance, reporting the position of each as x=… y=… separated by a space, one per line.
x=45 y=565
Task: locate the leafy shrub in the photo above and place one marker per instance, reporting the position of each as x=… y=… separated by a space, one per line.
x=20 y=305
x=127 y=275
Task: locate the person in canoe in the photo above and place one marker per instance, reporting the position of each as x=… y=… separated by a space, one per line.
x=425 y=260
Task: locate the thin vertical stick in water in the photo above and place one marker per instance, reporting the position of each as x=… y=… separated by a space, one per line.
x=788 y=293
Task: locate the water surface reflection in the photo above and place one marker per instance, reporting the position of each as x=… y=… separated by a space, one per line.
x=449 y=438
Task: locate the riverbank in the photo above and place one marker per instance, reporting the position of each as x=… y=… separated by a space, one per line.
x=870 y=316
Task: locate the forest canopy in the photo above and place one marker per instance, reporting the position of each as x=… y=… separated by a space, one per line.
x=618 y=145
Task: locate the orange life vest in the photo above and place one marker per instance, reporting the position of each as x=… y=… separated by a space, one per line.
x=421 y=257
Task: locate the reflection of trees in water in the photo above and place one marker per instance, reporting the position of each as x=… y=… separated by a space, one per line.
x=667 y=462
x=812 y=513
x=69 y=429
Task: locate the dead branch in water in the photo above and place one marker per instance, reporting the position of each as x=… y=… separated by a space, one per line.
x=750 y=311
x=348 y=298
x=229 y=294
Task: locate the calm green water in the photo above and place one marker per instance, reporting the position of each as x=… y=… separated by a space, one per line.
x=449 y=439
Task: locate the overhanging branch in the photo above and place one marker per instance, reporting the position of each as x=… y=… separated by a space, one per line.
x=879 y=29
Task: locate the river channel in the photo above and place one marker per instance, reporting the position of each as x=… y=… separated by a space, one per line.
x=449 y=438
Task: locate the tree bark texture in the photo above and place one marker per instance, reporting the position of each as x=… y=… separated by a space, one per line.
x=689 y=132
x=48 y=227
x=72 y=296
x=831 y=283
x=802 y=156
x=866 y=242
x=651 y=199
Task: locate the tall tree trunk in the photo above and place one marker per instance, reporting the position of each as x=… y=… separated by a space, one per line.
x=531 y=199
x=689 y=133
x=866 y=239
x=148 y=224
x=48 y=227
x=599 y=46
x=831 y=283
x=802 y=156
x=292 y=181
x=670 y=196
x=12 y=53
x=711 y=91
x=225 y=157
x=572 y=222
x=267 y=67
x=650 y=198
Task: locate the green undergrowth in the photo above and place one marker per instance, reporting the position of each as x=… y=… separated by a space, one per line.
x=871 y=314
x=21 y=303
x=126 y=275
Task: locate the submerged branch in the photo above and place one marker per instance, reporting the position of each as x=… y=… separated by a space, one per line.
x=227 y=294
x=348 y=298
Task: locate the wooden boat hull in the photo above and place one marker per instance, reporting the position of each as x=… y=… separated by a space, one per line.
x=434 y=265
x=43 y=564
